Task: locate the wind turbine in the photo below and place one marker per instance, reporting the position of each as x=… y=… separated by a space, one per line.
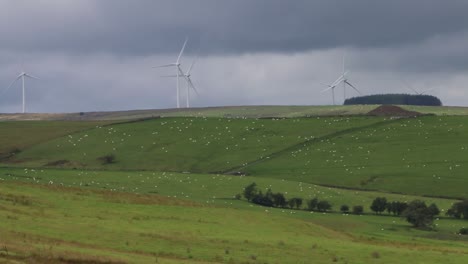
x=178 y=70
x=416 y=91
x=22 y=76
x=342 y=79
x=187 y=78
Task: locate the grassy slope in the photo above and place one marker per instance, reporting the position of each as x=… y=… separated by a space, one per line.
x=203 y=188
x=227 y=111
x=415 y=156
x=143 y=229
x=184 y=144
x=438 y=110
x=182 y=231
x=24 y=134
x=232 y=111
x=423 y=156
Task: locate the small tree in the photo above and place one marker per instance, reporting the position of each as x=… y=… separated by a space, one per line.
x=459 y=210
x=312 y=204
x=418 y=214
x=433 y=209
x=358 y=209
x=298 y=202
x=261 y=199
x=279 y=200
x=344 y=208
x=400 y=207
x=379 y=204
x=323 y=206
x=295 y=202
x=250 y=191
x=463 y=231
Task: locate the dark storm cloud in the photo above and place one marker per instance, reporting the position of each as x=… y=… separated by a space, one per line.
x=143 y=27
x=98 y=54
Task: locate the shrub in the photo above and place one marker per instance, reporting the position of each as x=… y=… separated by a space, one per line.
x=459 y=210
x=379 y=205
x=463 y=231
x=107 y=159
x=344 y=208
x=250 y=191
x=358 y=209
x=323 y=206
x=312 y=204
x=375 y=254
x=418 y=214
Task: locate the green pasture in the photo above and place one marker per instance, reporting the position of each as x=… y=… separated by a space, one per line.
x=183 y=144
x=422 y=156
x=18 y=135
x=44 y=224
x=210 y=189
x=169 y=195
x=438 y=110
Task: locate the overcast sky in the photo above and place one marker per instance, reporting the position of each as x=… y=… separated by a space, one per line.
x=98 y=55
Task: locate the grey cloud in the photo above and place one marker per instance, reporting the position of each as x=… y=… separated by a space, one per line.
x=129 y=27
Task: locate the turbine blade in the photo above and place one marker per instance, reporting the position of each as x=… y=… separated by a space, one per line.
x=167 y=65
x=329 y=87
x=338 y=81
x=181 y=72
x=344 y=64
x=191 y=65
x=182 y=50
x=30 y=76
x=11 y=84
x=192 y=86
x=352 y=86
x=428 y=90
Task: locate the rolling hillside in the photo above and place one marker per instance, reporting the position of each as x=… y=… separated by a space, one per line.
x=230 y=111
x=183 y=144
x=171 y=192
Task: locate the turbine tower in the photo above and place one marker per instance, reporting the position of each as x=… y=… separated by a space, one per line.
x=189 y=82
x=178 y=70
x=22 y=76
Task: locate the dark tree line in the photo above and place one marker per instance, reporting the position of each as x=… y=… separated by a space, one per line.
x=271 y=199
x=395 y=99
x=415 y=212
x=380 y=204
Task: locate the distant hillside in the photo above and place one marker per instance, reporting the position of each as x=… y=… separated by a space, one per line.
x=396 y=99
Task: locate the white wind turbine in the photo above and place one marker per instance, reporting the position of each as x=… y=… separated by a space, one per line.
x=22 y=76
x=187 y=78
x=342 y=79
x=178 y=70
x=416 y=91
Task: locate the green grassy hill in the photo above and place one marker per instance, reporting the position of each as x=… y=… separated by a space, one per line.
x=230 y=111
x=56 y=224
x=183 y=144
x=425 y=156
x=414 y=156
x=19 y=135
x=169 y=195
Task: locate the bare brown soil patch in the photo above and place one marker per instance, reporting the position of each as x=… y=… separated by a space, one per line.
x=393 y=111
